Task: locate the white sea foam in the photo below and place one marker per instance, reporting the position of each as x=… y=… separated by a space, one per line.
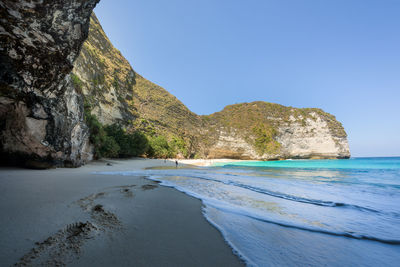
x=284 y=217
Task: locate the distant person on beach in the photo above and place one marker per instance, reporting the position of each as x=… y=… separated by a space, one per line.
x=176 y=163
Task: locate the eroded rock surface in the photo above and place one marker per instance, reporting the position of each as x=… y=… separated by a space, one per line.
x=41 y=114
x=267 y=135
x=105 y=78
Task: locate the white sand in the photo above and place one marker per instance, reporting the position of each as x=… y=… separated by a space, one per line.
x=131 y=220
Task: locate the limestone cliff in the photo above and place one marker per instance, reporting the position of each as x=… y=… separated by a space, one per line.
x=104 y=77
x=115 y=93
x=258 y=130
x=261 y=130
x=41 y=114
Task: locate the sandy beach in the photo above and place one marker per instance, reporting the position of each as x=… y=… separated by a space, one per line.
x=77 y=218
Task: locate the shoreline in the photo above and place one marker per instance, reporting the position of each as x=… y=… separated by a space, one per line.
x=211 y=162
x=105 y=219
x=207 y=162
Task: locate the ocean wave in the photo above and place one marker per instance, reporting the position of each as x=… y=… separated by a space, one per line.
x=244 y=212
x=323 y=231
x=302 y=199
x=281 y=195
x=206 y=176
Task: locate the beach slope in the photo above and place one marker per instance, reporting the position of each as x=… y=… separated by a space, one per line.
x=78 y=218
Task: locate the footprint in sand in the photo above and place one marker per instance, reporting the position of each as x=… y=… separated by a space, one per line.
x=65 y=245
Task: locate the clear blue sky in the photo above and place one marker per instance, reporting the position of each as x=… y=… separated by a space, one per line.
x=339 y=55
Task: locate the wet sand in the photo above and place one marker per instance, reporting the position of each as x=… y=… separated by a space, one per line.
x=76 y=218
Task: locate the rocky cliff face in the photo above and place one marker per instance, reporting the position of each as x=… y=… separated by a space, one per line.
x=41 y=113
x=313 y=139
x=258 y=130
x=105 y=78
x=265 y=131
x=115 y=93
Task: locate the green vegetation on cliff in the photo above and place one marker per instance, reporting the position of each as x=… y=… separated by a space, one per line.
x=259 y=122
x=114 y=141
x=104 y=145
x=130 y=144
x=264 y=141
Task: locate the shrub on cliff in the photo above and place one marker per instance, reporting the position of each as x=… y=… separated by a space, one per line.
x=77 y=83
x=178 y=145
x=104 y=146
x=131 y=144
x=109 y=148
x=264 y=140
x=112 y=140
x=159 y=148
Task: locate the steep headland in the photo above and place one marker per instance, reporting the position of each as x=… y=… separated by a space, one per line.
x=261 y=130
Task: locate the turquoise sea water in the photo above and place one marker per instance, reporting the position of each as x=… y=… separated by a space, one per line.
x=354 y=163
x=300 y=212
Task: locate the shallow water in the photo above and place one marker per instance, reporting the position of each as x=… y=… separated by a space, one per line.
x=300 y=212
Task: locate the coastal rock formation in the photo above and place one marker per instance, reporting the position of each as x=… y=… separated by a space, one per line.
x=316 y=139
x=41 y=113
x=265 y=131
x=104 y=77
x=115 y=93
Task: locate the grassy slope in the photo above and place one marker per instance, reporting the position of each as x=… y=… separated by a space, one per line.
x=249 y=115
x=107 y=80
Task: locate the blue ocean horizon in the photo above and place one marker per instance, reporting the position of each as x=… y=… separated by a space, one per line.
x=351 y=163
